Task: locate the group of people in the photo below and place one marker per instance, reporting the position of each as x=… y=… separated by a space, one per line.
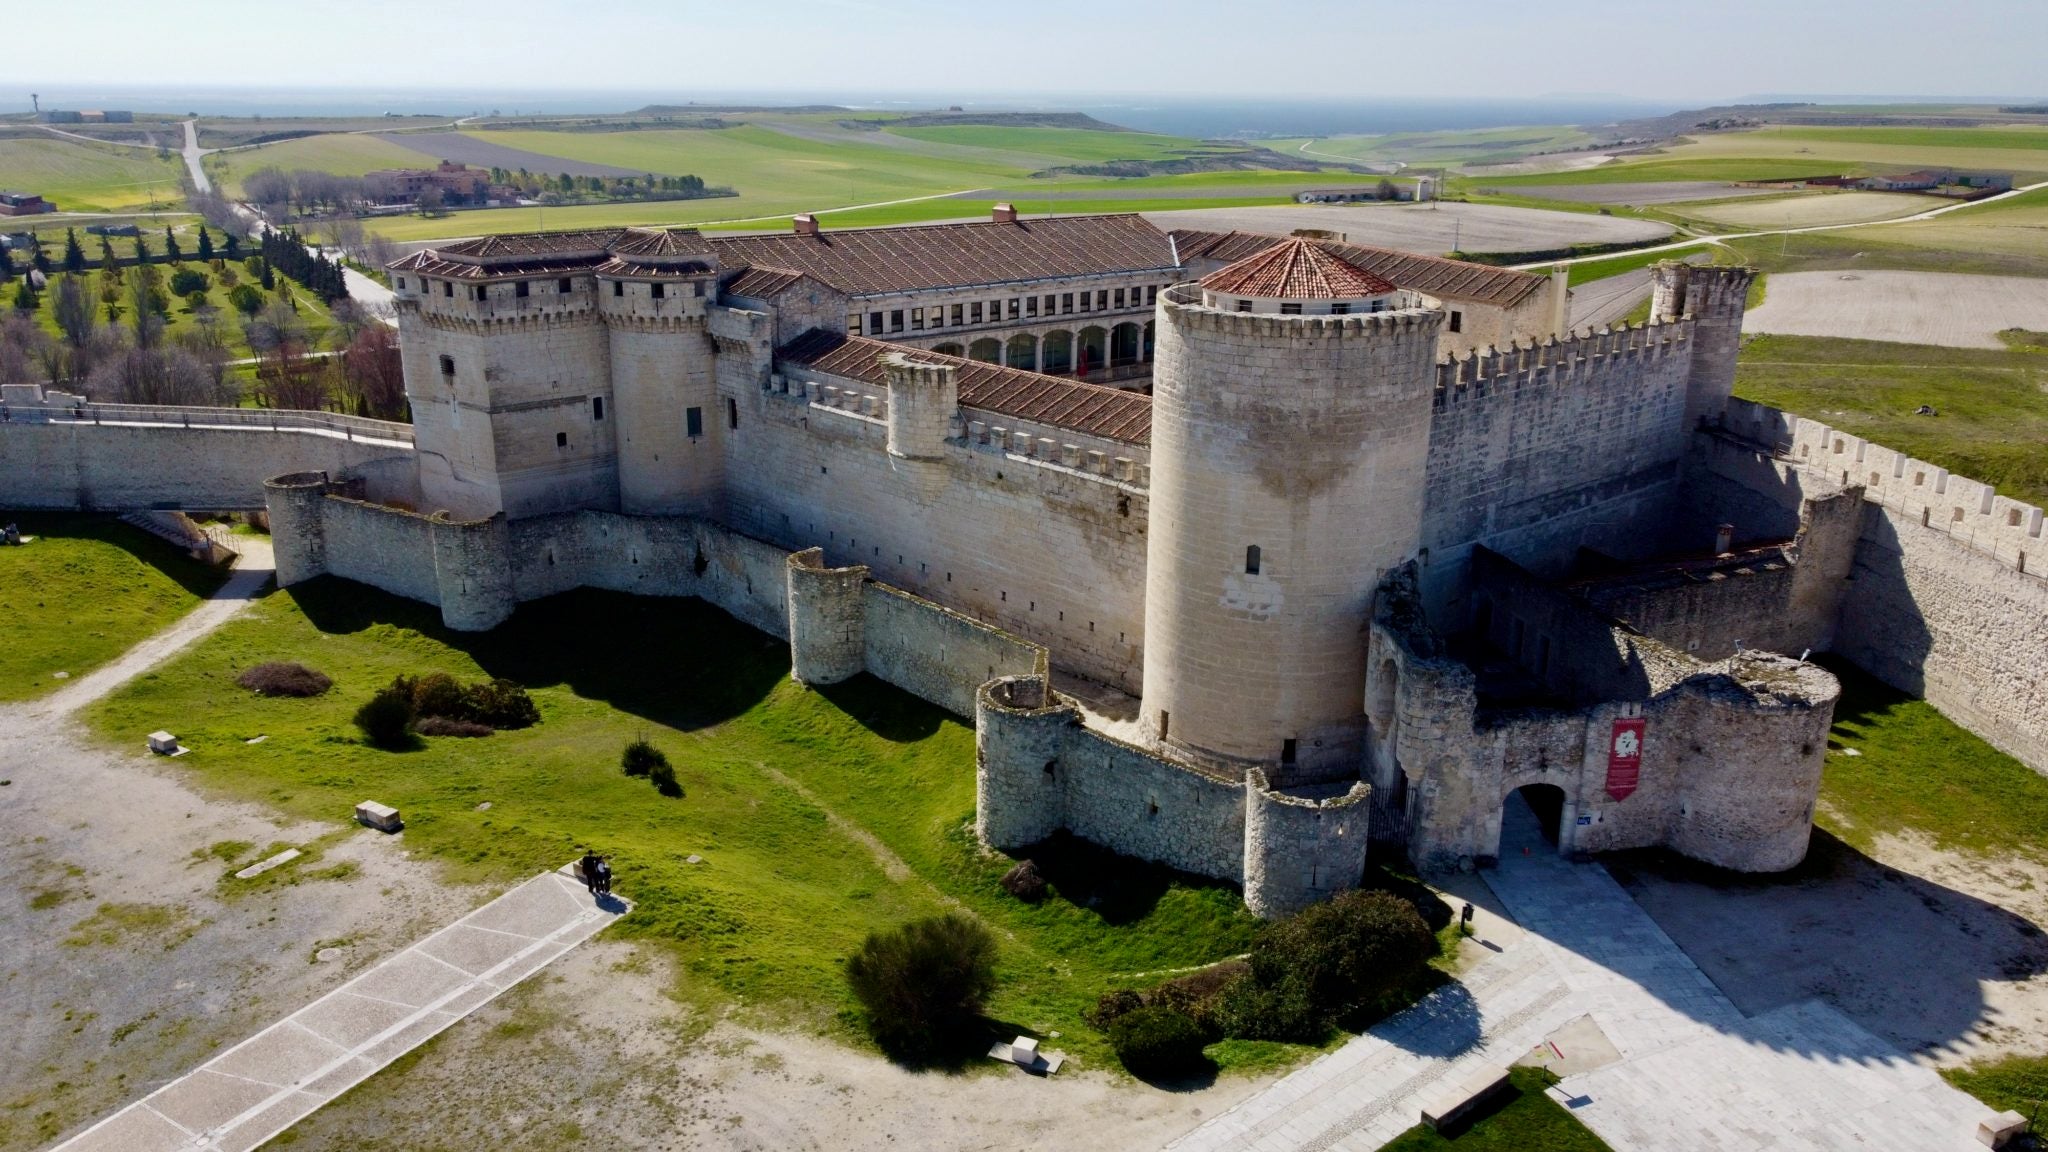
x=597 y=873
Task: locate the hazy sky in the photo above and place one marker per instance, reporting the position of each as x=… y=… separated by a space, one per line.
x=1308 y=48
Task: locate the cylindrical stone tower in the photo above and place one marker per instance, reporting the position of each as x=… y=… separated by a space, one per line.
x=1301 y=849
x=1290 y=427
x=827 y=619
x=923 y=401
x=1020 y=728
x=298 y=531
x=1748 y=802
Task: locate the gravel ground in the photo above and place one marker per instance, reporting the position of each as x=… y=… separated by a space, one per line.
x=1821 y=208
x=1429 y=228
x=1943 y=308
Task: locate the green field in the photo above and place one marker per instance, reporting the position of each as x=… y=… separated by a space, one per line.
x=1062 y=145
x=1993 y=404
x=88 y=589
x=342 y=155
x=2017 y=227
x=820 y=815
x=1439 y=149
x=313 y=314
x=81 y=177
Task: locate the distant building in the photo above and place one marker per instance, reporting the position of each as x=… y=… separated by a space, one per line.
x=457 y=183
x=1929 y=179
x=24 y=204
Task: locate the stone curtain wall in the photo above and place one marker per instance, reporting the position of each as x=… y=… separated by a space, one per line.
x=1030 y=544
x=113 y=467
x=938 y=654
x=1537 y=451
x=1945 y=598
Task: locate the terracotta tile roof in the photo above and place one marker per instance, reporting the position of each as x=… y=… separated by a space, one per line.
x=1296 y=270
x=427 y=263
x=873 y=261
x=653 y=245
x=761 y=283
x=526 y=245
x=1432 y=275
x=619 y=266
x=1093 y=409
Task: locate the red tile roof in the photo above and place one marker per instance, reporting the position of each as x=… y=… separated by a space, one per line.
x=1296 y=270
x=761 y=283
x=873 y=261
x=1092 y=409
x=657 y=245
x=1432 y=275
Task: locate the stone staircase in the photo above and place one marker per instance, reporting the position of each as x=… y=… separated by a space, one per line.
x=209 y=542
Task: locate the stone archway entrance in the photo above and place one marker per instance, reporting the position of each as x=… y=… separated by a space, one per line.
x=1533 y=819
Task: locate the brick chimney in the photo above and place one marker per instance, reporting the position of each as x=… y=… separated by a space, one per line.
x=1005 y=214
x=806 y=224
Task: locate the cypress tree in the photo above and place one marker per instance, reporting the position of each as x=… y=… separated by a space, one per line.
x=205 y=245
x=24 y=297
x=74 y=256
x=171 y=247
x=269 y=281
x=6 y=265
x=141 y=248
x=41 y=260
x=106 y=252
x=232 y=247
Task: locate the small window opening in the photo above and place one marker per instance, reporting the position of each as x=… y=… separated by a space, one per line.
x=658 y=291
x=1288 y=749
x=447 y=365
x=1251 y=560
x=1457 y=321
x=1165 y=719
x=732 y=412
x=522 y=289
x=565 y=285
x=693 y=421
x=1290 y=308
x=597 y=407
x=561 y=439
x=1244 y=305
x=618 y=288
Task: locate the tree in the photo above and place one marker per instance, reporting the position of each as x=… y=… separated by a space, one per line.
x=231 y=247
x=141 y=249
x=374 y=374
x=923 y=983
x=205 y=245
x=269 y=281
x=147 y=306
x=171 y=247
x=106 y=253
x=6 y=265
x=246 y=298
x=24 y=297
x=74 y=310
x=74 y=256
x=41 y=260
x=186 y=281
x=386 y=719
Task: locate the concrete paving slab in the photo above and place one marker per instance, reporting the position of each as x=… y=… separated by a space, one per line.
x=250 y=1093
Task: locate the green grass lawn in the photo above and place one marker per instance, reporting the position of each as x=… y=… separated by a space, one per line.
x=1527 y=1121
x=88 y=589
x=2018 y=1083
x=80 y=177
x=821 y=815
x=1063 y=145
x=1665 y=166
x=1916 y=770
x=343 y=155
x=1993 y=404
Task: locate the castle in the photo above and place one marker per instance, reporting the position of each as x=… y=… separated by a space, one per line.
x=1244 y=552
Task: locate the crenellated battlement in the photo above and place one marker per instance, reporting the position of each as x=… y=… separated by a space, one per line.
x=1969 y=512
x=1472 y=378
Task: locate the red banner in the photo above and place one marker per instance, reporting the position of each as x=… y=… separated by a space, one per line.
x=1625 y=757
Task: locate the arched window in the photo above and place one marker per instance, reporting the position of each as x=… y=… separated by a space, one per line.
x=1251 y=560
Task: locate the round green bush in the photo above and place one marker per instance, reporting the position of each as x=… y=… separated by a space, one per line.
x=640 y=758
x=502 y=704
x=1347 y=952
x=186 y=281
x=386 y=719
x=1112 y=1006
x=439 y=694
x=1158 y=1043
x=247 y=299
x=924 y=983
x=665 y=782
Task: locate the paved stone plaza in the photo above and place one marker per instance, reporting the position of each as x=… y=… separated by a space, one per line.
x=1692 y=1072
x=277 y=1077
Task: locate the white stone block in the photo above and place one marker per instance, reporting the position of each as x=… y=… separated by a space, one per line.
x=1998 y=1131
x=1024 y=1051
x=382 y=817
x=163 y=743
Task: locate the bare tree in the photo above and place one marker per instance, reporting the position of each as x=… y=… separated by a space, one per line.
x=207 y=347
x=286 y=376
x=373 y=374
x=153 y=376
x=147 y=305
x=75 y=309
x=271 y=189
x=21 y=344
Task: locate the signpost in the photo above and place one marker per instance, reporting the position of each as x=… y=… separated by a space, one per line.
x=1625 y=757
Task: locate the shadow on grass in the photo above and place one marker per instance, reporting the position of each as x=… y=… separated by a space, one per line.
x=688 y=665
x=1119 y=889
x=881 y=708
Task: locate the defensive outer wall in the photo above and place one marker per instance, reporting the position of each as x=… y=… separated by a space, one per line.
x=1040 y=768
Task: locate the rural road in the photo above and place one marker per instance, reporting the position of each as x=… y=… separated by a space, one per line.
x=1724 y=237
x=193 y=154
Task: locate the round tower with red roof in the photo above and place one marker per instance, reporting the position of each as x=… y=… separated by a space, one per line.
x=1290 y=428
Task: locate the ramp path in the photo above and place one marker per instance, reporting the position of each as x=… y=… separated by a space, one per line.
x=257 y=1089
x=1691 y=1070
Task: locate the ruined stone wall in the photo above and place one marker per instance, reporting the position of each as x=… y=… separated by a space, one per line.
x=87 y=466
x=1538 y=451
x=1945 y=598
x=1039 y=546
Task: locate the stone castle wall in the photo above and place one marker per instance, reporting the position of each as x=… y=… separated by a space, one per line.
x=85 y=466
x=1537 y=451
x=1945 y=598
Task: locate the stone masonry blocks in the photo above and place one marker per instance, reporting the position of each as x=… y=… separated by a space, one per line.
x=827 y=619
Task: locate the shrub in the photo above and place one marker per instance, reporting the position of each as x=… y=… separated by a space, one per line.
x=439 y=694
x=924 y=982
x=641 y=758
x=664 y=778
x=1245 y=1009
x=1112 y=1006
x=501 y=704
x=386 y=720
x=1346 y=952
x=1195 y=994
x=450 y=726
x=284 y=679
x=246 y=298
x=186 y=281
x=1025 y=882
x=1156 y=1043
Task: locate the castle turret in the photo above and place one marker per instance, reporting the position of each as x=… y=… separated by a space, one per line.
x=827 y=619
x=1714 y=299
x=1290 y=427
x=654 y=293
x=924 y=400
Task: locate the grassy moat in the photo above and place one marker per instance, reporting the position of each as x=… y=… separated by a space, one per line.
x=819 y=815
